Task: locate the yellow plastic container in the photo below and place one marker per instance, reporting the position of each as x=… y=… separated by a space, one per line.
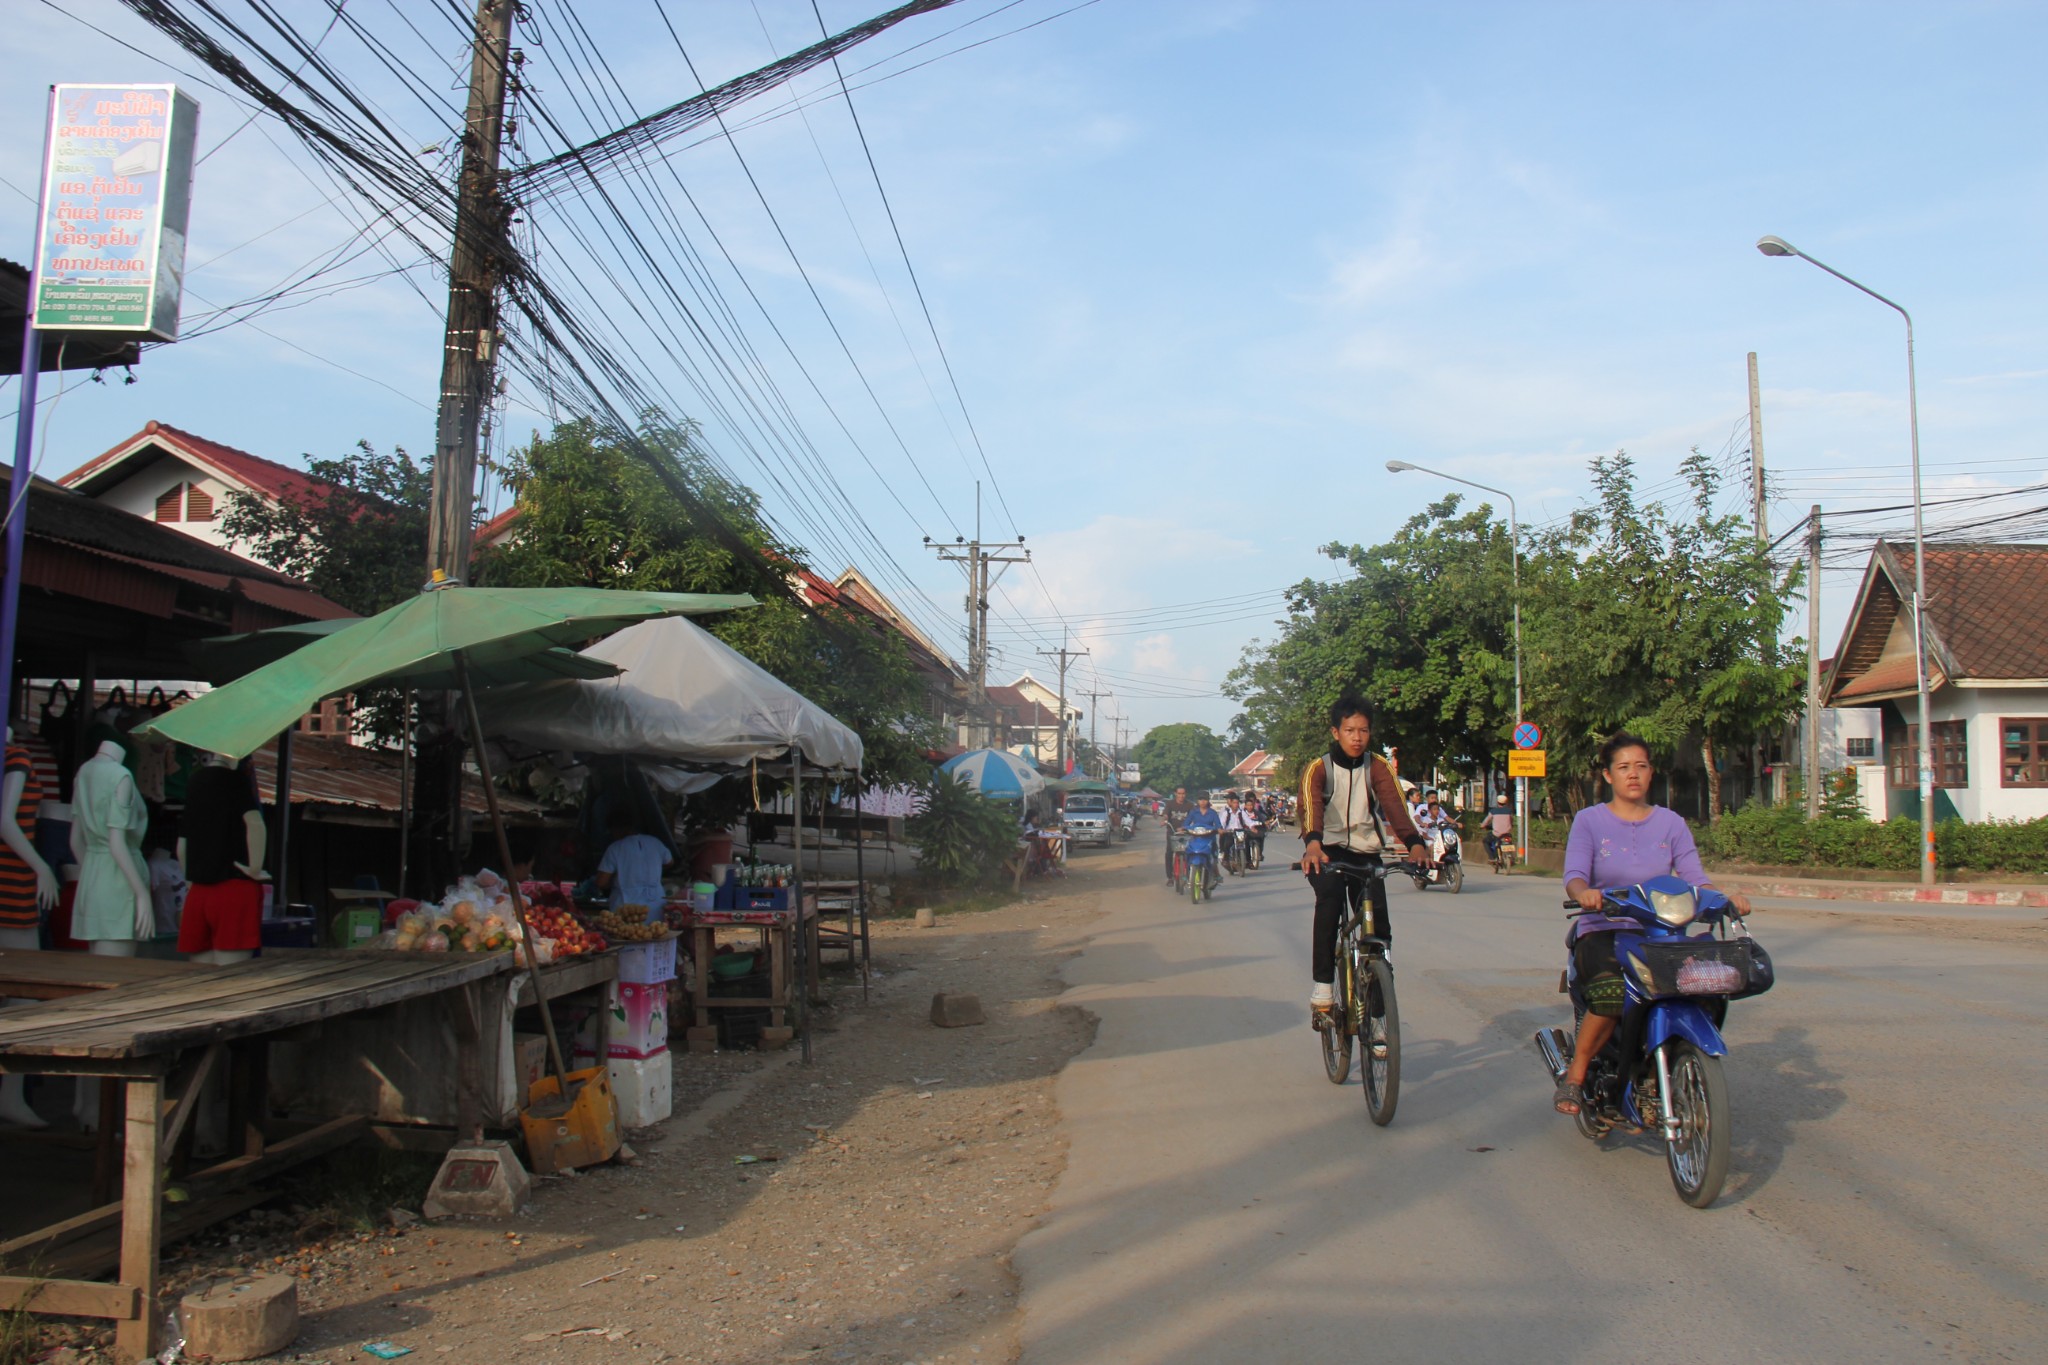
x=581 y=1132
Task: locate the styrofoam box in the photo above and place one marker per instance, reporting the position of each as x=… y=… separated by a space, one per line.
x=644 y=1088
x=648 y=964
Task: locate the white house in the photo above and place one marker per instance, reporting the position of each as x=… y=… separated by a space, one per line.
x=183 y=481
x=1986 y=638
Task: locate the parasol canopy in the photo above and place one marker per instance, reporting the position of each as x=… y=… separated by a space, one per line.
x=994 y=772
x=221 y=659
x=682 y=696
x=417 y=639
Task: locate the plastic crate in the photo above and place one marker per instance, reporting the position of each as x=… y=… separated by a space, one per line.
x=290 y=932
x=648 y=964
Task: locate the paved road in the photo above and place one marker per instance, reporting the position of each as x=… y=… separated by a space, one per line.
x=1224 y=1202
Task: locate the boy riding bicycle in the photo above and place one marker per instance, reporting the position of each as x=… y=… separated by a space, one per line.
x=1351 y=813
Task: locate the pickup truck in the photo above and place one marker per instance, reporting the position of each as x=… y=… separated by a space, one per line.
x=1088 y=819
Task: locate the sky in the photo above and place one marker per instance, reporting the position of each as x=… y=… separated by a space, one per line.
x=1187 y=273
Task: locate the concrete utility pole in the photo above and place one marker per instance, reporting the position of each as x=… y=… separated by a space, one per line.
x=1065 y=656
x=1813 y=663
x=470 y=341
x=975 y=557
x=1761 y=514
x=1094 y=703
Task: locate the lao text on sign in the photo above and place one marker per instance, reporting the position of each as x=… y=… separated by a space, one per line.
x=117 y=192
x=1527 y=763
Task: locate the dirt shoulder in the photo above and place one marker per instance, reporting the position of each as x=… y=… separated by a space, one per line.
x=891 y=1178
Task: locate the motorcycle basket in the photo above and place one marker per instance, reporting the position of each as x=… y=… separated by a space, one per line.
x=1734 y=968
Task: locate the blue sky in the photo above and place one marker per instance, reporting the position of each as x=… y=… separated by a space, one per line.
x=1200 y=269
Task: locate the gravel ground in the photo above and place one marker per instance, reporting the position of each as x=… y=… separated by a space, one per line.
x=889 y=1180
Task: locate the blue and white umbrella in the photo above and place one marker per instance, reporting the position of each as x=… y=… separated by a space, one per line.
x=992 y=772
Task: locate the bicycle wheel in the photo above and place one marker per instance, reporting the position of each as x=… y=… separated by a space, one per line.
x=1379 y=1039
x=1337 y=1037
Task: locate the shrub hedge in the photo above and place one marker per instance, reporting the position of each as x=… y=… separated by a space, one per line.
x=1782 y=836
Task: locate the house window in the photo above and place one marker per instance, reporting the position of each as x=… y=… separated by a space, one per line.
x=198 y=503
x=331 y=717
x=1865 y=747
x=1951 y=756
x=170 y=503
x=2023 y=751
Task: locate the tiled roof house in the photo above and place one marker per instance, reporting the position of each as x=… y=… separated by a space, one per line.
x=1986 y=641
x=182 y=481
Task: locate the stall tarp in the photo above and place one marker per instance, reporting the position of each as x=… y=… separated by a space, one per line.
x=683 y=696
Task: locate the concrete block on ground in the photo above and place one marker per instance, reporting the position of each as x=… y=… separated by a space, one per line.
x=957 y=1011
x=241 y=1320
x=486 y=1180
x=927 y=917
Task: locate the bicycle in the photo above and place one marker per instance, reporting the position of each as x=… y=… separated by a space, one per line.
x=1234 y=852
x=1363 y=1004
x=1178 y=841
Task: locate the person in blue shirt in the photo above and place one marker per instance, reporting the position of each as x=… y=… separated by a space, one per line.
x=632 y=866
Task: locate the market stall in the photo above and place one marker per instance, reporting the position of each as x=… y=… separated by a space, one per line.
x=683 y=705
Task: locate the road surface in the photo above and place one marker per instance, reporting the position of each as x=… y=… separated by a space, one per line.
x=1224 y=1202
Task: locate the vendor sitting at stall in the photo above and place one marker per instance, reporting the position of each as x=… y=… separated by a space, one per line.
x=631 y=868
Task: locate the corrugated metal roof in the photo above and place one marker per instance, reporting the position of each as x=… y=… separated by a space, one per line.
x=332 y=772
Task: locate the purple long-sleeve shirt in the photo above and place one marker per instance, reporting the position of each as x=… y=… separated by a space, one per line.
x=1608 y=851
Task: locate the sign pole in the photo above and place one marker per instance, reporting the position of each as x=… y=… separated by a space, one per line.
x=24 y=446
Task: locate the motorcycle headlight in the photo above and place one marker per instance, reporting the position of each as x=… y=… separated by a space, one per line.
x=1675 y=908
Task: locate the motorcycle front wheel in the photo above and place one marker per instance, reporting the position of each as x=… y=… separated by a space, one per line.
x=1455 y=875
x=1698 y=1156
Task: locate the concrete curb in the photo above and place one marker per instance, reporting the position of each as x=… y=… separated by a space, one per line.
x=1796 y=889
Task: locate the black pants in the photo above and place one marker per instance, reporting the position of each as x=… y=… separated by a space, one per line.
x=1169 y=853
x=1331 y=887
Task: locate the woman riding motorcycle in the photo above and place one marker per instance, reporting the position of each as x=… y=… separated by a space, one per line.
x=1621 y=843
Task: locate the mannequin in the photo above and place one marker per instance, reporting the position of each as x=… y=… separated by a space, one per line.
x=28 y=888
x=221 y=847
x=113 y=908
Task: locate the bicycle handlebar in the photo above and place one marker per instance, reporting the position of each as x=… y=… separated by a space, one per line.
x=1366 y=872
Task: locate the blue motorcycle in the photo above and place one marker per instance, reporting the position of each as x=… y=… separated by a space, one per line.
x=1662 y=1068
x=1199 y=857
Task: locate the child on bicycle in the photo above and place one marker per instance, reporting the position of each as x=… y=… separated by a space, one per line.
x=1350 y=806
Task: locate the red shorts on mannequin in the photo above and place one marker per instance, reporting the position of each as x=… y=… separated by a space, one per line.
x=222 y=916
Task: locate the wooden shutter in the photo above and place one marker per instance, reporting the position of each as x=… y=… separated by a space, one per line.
x=169 y=503
x=198 y=503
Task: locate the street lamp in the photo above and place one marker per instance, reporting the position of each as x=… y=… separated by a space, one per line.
x=1515 y=544
x=1778 y=246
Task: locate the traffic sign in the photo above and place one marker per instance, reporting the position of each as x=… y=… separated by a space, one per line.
x=1528 y=735
x=1528 y=763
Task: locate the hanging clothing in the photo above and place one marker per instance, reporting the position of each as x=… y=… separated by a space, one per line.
x=17 y=878
x=216 y=837
x=105 y=806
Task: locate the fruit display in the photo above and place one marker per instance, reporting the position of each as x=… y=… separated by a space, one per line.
x=476 y=916
x=629 y=925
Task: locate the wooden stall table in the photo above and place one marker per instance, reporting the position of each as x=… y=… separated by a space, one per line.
x=29 y=974
x=775 y=928
x=162 y=1036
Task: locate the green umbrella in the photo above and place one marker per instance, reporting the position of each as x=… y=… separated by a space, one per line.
x=417 y=641
x=222 y=659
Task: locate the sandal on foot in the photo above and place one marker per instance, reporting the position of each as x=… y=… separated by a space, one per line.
x=1570 y=1098
x=1322 y=1016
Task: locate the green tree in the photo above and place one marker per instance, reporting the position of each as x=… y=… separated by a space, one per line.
x=598 y=511
x=1182 y=755
x=1422 y=627
x=356 y=532
x=1660 y=624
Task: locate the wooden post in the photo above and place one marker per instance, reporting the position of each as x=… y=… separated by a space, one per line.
x=860 y=875
x=141 y=1218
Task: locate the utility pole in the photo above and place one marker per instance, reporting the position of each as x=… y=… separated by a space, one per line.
x=1065 y=657
x=1756 y=457
x=975 y=557
x=1813 y=663
x=1094 y=702
x=470 y=341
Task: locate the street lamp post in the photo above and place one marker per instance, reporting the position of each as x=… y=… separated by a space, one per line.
x=1515 y=546
x=1778 y=246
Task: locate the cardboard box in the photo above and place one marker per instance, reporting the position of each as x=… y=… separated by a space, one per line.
x=639 y=1019
x=647 y=964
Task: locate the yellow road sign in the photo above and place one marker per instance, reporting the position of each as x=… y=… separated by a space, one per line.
x=1527 y=763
